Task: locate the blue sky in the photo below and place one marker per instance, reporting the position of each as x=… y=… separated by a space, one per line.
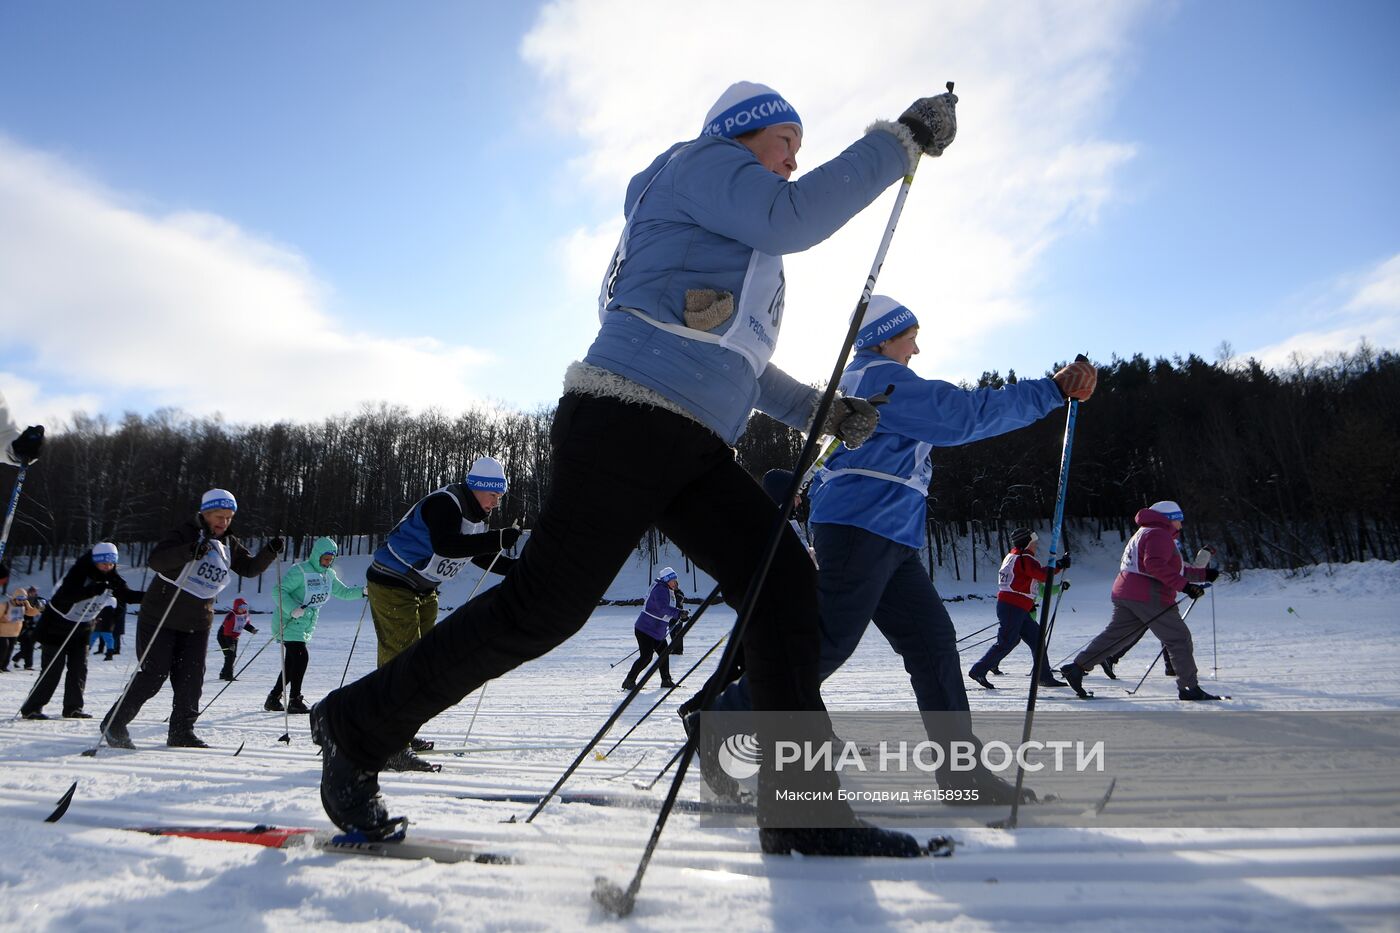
x=278 y=210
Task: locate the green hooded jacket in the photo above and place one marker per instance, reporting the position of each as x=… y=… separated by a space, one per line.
x=307 y=586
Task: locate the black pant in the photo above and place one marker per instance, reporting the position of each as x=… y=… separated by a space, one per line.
x=26 y=645
x=296 y=661
x=178 y=656
x=7 y=644
x=228 y=644
x=55 y=656
x=649 y=646
x=702 y=500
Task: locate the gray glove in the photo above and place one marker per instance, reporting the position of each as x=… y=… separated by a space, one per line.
x=852 y=420
x=933 y=121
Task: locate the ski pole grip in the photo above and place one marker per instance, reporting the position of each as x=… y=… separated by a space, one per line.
x=883 y=397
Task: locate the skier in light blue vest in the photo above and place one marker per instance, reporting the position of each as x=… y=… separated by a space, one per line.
x=868 y=521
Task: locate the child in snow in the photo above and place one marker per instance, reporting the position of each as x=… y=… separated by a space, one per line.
x=652 y=625
x=1150 y=575
x=33 y=609
x=234 y=625
x=1020 y=572
x=65 y=625
x=299 y=599
x=102 y=631
x=193 y=564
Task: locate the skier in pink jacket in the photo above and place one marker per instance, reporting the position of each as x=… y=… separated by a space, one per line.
x=1150 y=576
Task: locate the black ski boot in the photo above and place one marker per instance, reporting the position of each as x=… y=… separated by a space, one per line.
x=629 y=685
x=1107 y=666
x=273 y=703
x=668 y=685
x=350 y=794
x=420 y=745
x=35 y=714
x=185 y=738
x=406 y=760
x=1049 y=681
x=980 y=788
x=297 y=706
x=1074 y=676
x=981 y=679
x=1194 y=693
x=860 y=841
x=76 y=714
x=706 y=750
x=117 y=736
x=995 y=670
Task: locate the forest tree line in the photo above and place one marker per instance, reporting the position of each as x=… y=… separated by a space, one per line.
x=1280 y=469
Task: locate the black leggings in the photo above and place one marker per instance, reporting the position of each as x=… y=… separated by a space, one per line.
x=297 y=658
x=650 y=646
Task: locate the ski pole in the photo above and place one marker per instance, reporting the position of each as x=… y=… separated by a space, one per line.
x=652 y=783
x=664 y=697
x=1214 y=658
x=175 y=594
x=481 y=694
x=1042 y=649
x=624 y=657
x=245 y=666
x=976 y=633
x=280 y=626
x=1159 y=653
x=616 y=900
x=616 y=715
x=354 y=641
x=11 y=509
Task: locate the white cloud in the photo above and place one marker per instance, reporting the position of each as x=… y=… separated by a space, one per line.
x=184 y=310
x=1356 y=307
x=631 y=77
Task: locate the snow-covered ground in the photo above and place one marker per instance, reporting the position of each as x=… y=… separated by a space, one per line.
x=1306 y=642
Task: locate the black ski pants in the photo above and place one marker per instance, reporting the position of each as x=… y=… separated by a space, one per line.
x=297 y=658
x=25 y=642
x=649 y=646
x=6 y=646
x=606 y=489
x=167 y=654
x=55 y=657
x=228 y=644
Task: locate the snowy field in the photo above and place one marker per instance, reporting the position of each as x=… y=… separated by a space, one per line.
x=1337 y=649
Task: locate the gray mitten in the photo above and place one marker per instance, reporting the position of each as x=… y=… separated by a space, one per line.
x=852 y=420
x=933 y=121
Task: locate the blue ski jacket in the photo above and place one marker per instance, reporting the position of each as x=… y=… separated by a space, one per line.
x=881 y=486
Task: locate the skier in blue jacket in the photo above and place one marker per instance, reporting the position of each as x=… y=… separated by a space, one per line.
x=868 y=520
x=690 y=311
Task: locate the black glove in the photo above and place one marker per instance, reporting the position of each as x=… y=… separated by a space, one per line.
x=685 y=615
x=200 y=547
x=1064 y=584
x=1194 y=590
x=276 y=545
x=26 y=447
x=1062 y=563
x=933 y=121
x=1211 y=574
x=248 y=627
x=508 y=538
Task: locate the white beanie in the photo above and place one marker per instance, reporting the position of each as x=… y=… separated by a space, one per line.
x=1168 y=509
x=218 y=499
x=487 y=475
x=104 y=552
x=884 y=320
x=666 y=574
x=745 y=107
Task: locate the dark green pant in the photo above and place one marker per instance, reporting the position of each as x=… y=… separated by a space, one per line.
x=401 y=617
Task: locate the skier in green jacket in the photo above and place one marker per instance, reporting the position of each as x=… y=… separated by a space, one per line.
x=300 y=595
